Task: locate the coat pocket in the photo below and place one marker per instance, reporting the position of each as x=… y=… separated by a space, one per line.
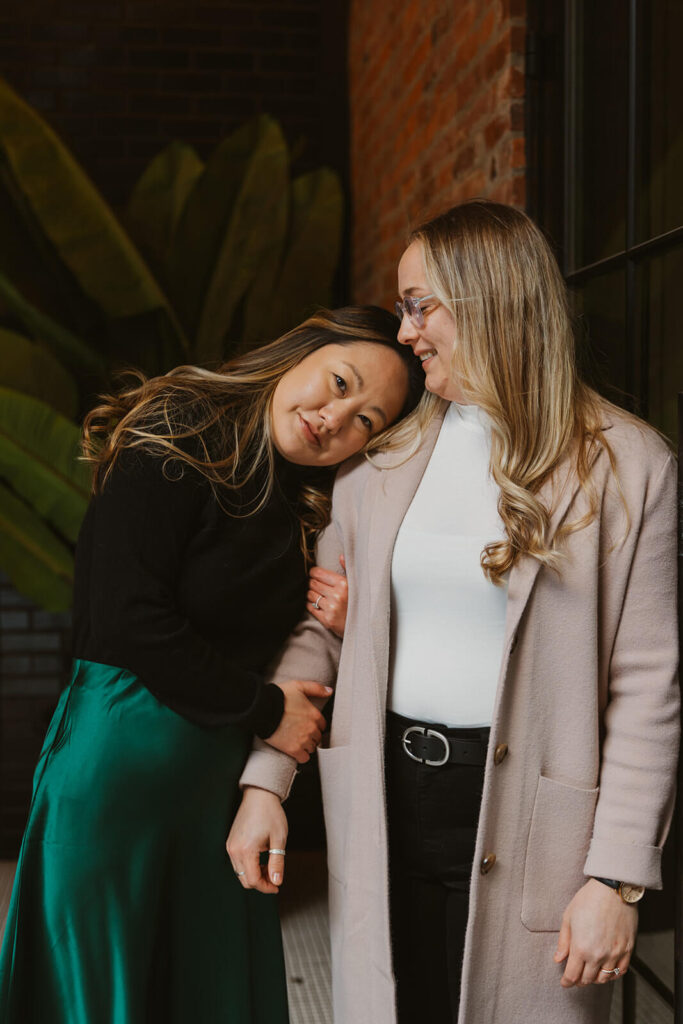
x=559 y=837
x=333 y=763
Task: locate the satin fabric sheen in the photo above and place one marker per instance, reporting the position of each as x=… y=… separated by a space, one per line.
x=125 y=908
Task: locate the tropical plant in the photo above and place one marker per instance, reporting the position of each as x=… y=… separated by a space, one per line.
x=208 y=259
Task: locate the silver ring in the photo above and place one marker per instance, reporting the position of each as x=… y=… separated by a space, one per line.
x=238 y=873
x=281 y=852
x=616 y=971
x=317 y=603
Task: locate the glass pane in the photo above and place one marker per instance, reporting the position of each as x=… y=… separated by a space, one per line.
x=656 y=949
x=661 y=75
x=599 y=306
x=660 y=282
x=649 y=1008
x=598 y=165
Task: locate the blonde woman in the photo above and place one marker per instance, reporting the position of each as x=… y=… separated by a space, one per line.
x=190 y=573
x=499 y=778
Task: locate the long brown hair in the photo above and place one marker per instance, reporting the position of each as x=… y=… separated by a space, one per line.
x=514 y=356
x=218 y=422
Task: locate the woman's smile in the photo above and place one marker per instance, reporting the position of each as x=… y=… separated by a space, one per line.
x=433 y=343
x=308 y=432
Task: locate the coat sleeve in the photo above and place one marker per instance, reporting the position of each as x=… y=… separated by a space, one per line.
x=312 y=652
x=637 y=776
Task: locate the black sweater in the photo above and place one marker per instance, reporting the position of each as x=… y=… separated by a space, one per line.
x=193 y=601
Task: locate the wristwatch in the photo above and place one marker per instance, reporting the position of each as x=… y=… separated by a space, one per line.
x=629 y=893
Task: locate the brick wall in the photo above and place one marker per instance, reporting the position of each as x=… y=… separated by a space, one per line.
x=34 y=665
x=120 y=79
x=436 y=98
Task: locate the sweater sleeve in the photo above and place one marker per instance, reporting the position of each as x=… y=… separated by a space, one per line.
x=141 y=524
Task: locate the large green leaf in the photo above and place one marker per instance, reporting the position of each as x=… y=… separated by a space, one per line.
x=312 y=252
x=224 y=231
x=259 y=298
x=29 y=368
x=39 y=565
x=159 y=197
x=247 y=239
x=70 y=350
x=38 y=457
x=70 y=212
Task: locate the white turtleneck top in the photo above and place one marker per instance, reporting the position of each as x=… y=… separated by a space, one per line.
x=448 y=621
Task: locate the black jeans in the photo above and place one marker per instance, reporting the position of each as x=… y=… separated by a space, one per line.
x=432 y=817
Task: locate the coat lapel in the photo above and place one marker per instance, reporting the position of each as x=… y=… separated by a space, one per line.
x=557 y=493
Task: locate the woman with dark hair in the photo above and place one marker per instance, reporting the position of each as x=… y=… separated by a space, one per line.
x=209 y=488
x=500 y=773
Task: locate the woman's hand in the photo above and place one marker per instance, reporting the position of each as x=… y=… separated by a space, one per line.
x=328 y=597
x=260 y=825
x=598 y=932
x=301 y=726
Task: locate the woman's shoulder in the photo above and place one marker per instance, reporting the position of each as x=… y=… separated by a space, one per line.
x=638 y=448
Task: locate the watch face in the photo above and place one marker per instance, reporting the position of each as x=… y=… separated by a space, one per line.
x=631 y=893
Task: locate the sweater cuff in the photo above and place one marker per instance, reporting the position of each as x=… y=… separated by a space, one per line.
x=268 y=711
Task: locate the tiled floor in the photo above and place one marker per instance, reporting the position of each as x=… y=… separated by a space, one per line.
x=307 y=950
x=303 y=909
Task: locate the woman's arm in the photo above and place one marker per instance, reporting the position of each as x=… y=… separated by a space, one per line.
x=261 y=824
x=640 y=747
x=639 y=752
x=312 y=652
x=131 y=553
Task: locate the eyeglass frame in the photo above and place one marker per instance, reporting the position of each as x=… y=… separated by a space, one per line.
x=411 y=308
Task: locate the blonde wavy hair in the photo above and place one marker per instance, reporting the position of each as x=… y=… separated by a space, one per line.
x=218 y=422
x=514 y=357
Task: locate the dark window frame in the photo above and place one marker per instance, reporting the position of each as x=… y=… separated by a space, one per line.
x=550 y=128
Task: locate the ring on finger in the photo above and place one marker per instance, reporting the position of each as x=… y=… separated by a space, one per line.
x=616 y=971
x=240 y=873
x=317 y=603
x=281 y=852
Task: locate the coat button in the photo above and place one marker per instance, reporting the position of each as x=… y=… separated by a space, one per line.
x=500 y=753
x=487 y=863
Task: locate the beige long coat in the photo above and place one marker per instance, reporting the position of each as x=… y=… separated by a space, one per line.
x=587 y=702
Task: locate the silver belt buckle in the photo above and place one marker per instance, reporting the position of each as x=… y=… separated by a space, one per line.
x=426 y=732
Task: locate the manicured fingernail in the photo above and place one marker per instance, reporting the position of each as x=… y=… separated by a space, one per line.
x=328 y=689
x=276 y=878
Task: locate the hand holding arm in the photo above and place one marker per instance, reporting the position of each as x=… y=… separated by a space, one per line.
x=328 y=597
x=598 y=934
x=301 y=725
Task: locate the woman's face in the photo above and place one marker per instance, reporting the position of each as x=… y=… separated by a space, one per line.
x=435 y=341
x=329 y=405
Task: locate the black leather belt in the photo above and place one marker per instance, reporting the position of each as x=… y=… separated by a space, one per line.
x=436 y=745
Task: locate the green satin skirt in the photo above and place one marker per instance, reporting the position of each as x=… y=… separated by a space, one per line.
x=125 y=908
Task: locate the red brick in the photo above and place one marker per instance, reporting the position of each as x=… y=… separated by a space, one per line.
x=495 y=130
x=517 y=156
x=476 y=42
x=514 y=9
x=517 y=116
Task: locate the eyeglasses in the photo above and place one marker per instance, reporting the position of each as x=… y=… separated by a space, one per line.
x=412 y=308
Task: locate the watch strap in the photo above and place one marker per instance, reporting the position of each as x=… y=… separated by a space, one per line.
x=611 y=882
x=627 y=892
